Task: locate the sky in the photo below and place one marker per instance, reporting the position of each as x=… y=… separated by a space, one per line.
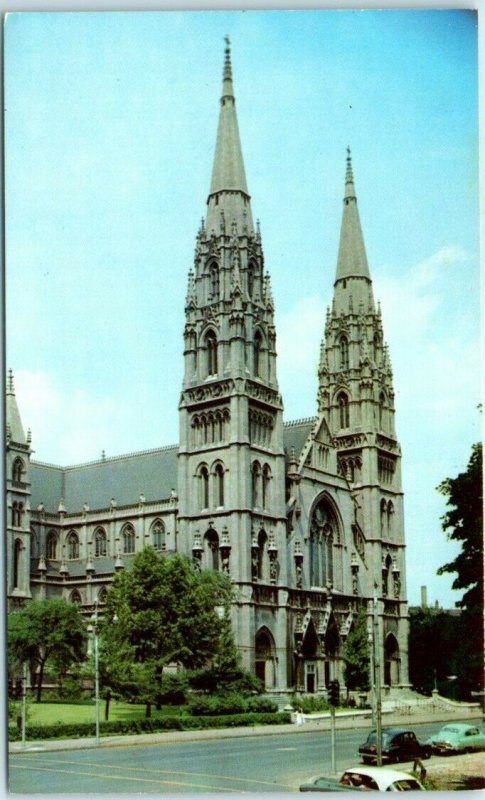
x=110 y=129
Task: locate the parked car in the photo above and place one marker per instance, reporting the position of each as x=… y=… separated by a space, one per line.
x=382 y=779
x=398 y=744
x=457 y=738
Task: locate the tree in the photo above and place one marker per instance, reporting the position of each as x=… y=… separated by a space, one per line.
x=166 y=611
x=46 y=631
x=356 y=654
x=464 y=523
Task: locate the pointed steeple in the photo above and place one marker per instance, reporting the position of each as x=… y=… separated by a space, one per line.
x=13 y=420
x=228 y=191
x=353 y=276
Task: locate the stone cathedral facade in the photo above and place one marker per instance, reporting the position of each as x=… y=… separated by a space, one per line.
x=306 y=517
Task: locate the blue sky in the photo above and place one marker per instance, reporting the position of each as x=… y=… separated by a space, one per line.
x=110 y=129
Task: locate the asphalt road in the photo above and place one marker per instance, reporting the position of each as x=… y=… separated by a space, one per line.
x=275 y=763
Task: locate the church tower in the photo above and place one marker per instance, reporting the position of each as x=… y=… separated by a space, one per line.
x=356 y=396
x=231 y=458
x=18 y=544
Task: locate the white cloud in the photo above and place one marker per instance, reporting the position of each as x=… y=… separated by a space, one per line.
x=70 y=426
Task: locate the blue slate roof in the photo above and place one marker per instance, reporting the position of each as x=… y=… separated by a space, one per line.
x=123 y=478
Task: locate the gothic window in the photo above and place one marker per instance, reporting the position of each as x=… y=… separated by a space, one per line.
x=51 y=545
x=100 y=542
x=214 y=280
x=219 y=479
x=263 y=557
x=255 y=484
x=211 y=549
x=343 y=407
x=158 y=535
x=383 y=519
x=17 y=470
x=266 y=476
x=204 y=487
x=382 y=407
x=390 y=514
x=344 y=352
x=211 y=348
x=16 y=562
x=323 y=535
x=128 y=539
x=258 y=343
x=72 y=545
x=76 y=597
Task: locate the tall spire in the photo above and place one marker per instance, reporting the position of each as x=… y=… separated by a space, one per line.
x=13 y=420
x=228 y=191
x=352 y=281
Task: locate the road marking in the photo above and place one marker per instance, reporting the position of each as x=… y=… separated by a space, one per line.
x=132 y=779
x=159 y=772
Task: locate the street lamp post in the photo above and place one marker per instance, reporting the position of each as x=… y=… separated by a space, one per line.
x=94 y=629
x=377 y=683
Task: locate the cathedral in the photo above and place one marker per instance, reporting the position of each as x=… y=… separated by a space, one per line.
x=306 y=517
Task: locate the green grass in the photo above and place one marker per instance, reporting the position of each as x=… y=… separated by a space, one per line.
x=51 y=713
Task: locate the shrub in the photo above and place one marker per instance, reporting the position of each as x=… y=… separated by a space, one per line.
x=159 y=723
x=310 y=703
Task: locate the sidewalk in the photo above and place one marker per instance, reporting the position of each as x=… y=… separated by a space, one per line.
x=356 y=719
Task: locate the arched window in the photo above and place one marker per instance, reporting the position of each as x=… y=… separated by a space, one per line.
x=211 y=548
x=343 y=406
x=382 y=411
x=128 y=539
x=158 y=535
x=219 y=476
x=72 y=545
x=16 y=562
x=323 y=535
x=266 y=476
x=211 y=348
x=258 y=344
x=255 y=484
x=390 y=514
x=383 y=519
x=344 y=352
x=18 y=470
x=100 y=542
x=214 y=279
x=263 y=557
x=203 y=487
x=250 y=279
x=51 y=545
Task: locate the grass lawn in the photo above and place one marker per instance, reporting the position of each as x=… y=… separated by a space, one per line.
x=52 y=713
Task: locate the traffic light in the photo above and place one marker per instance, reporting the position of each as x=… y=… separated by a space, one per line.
x=334 y=693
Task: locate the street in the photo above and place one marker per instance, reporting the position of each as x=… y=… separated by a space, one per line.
x=273 y=763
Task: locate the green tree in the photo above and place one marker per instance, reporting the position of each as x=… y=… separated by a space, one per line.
x=46 y=631
x=463 y=523
x=356 y=654
x=162 y=610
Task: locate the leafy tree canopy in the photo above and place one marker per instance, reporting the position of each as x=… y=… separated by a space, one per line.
x=356 y=654
x=162 y=610
x=46 y=631
x=464 y=523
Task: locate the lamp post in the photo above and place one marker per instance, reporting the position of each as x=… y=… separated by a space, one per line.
x=94 y=629
x=377 y=682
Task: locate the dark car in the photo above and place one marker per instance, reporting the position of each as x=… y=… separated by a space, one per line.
x=398 y=744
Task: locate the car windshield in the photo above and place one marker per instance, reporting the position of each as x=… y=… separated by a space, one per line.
x=406 y=785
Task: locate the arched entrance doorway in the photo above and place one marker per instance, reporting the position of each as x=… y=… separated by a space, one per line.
x=265 y=651
x=392 y=661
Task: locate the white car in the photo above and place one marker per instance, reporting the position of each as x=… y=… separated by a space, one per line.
x=382 y=779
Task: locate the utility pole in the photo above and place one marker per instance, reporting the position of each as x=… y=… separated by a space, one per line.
x=377 y=674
